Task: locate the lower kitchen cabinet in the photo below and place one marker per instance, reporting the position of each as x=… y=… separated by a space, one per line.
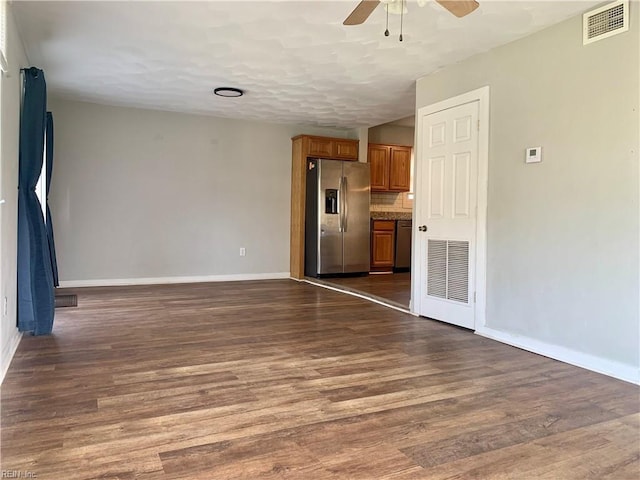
x=383 y=239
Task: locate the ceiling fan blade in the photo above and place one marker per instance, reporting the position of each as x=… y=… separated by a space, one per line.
x=459 y=8
x=361 y=12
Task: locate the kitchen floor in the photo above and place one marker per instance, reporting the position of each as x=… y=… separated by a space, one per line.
x=391 y=288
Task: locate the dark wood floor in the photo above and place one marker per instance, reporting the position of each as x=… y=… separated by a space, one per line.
x=391 y=288
x=279 y=379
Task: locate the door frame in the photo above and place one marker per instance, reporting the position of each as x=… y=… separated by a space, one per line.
x=482 y=96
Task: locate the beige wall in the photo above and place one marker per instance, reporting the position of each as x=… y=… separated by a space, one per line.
x=563 y=248
x=391 y=134
x=142 y=194
x=9 y=136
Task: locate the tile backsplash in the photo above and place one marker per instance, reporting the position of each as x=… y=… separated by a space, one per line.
x=390 y=202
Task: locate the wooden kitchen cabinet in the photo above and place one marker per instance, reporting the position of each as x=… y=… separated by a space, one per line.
x=378 y=158
x=322 y=147
x=345 y=149
x=326 y=147
x=390 y=167
x=400 y=169
x=383 y=240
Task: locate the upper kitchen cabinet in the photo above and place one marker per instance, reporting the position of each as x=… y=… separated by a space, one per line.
x=345 y=149
x=321 y=147
x=390 y=167
x=400 y=169
x=337 y=148
x=378 y=157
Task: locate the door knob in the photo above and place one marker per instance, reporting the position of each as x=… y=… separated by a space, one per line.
x=422 y=228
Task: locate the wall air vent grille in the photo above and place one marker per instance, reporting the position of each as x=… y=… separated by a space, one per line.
x=605 y=21
x=448 y=270
x=458 y=271
x=437 y=268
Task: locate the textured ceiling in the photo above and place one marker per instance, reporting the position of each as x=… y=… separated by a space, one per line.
x=295 y=60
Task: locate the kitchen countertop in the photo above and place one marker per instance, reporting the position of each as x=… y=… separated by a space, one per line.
x=390 y=215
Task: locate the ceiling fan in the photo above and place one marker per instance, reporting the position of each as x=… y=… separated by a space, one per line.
x=459 y=8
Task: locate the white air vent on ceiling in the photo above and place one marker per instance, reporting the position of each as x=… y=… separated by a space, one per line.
x=605 y=21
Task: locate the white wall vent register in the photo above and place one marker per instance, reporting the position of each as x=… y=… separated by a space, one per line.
x=606 y=21
x=448 y=270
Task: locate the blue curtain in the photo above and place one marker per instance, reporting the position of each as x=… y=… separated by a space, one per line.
x=49 y=156
x=36 y=302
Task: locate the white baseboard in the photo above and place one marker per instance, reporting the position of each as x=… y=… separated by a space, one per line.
x=8 y=352
x=112 y=282
x=618 y=370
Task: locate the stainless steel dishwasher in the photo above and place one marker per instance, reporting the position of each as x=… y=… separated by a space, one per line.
x=403 y=246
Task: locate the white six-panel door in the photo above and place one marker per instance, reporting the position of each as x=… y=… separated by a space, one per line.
x=447 y=214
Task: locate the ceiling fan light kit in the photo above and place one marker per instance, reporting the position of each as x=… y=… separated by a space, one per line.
x=395 y=7
x=365 y=8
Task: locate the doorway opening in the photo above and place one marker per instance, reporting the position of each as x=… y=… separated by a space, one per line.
x=390 y=154
x=447 y=281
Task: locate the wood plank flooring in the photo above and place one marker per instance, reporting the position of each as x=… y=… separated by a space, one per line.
x=280 y=379
x=394 y=289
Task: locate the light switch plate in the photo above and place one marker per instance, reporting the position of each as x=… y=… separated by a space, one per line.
x=533 y=155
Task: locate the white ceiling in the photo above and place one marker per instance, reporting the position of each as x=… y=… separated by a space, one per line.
x=295 y=60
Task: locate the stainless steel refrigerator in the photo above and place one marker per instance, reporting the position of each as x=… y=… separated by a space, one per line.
x=337 y=219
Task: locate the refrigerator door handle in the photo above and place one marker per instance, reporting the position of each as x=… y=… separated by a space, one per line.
x=340 y=205
x=345 y=203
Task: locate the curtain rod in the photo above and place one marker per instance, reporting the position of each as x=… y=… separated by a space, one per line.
x=31 y=68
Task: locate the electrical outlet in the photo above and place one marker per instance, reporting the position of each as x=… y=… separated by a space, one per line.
x=243 y=251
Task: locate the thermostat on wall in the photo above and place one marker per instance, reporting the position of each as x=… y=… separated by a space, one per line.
x=533 y=155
